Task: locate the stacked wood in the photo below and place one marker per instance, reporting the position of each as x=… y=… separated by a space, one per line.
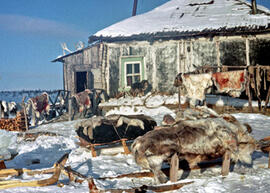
x=14 y=124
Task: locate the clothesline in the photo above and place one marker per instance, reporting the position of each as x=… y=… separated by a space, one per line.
x=243 y=67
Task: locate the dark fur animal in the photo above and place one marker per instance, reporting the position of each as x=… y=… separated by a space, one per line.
x=82 y=103
x=193 y=141
x=99 y=129
x=140 y=88
x=38 y=107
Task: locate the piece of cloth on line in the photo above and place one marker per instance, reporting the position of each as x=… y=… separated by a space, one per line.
x=232 y=82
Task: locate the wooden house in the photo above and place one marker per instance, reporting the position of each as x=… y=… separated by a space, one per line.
x=178 y=36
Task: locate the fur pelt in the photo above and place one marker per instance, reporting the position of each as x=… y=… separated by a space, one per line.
x=194 y=140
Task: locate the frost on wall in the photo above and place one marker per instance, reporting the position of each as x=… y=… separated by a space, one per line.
x=204 y=53
x=166 y=62
x=114 y=60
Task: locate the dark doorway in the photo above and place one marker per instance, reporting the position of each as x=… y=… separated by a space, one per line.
x=81 y=83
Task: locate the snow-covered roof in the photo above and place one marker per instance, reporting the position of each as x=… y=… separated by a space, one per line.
x=190 y=16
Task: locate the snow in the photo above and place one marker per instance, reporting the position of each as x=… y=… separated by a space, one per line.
x=190 y=16
x=8 y=144
x=46 y=150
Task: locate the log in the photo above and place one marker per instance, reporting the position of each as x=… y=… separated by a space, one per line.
x=165 y=170
x=174 y=168
x=144 y=188
x=226 y=163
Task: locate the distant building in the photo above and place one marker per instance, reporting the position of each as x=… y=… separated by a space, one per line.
x=175 y=37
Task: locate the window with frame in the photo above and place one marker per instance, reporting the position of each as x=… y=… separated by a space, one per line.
x=132 y=70
x=133 y=73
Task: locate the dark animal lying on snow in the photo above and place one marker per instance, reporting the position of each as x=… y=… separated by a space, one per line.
x=194 y=141
x=100 y=129
x=140 y=88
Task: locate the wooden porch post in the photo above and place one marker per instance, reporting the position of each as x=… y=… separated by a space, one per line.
x=174 y=168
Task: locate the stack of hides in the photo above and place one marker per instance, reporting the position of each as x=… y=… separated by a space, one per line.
x=99 y=129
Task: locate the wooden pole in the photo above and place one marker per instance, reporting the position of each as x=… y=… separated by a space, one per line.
x=254 y=6
x=25 y=115
x=1 y=110
x=124 y=144
x=93 y=151
x=134 y=7
x=179 y=97
x=174 y=168
x=248 y=92
x=218 y=54
x=69 y=109
x=226 y=163
x=267 y=99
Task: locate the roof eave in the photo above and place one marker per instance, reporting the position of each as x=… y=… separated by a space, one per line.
x=182 y=35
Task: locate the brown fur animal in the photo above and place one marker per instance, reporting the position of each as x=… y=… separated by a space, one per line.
x=193 y=141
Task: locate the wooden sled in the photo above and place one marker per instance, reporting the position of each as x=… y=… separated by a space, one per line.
x=112 y=147
x=36 y=183
x=160 y=188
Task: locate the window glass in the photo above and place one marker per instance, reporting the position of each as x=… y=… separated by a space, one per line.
x=129 y=80
x=137 y=68
x=129 y=68
x=137 y=79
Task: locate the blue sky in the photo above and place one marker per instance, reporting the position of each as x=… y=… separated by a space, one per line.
x=31 y=32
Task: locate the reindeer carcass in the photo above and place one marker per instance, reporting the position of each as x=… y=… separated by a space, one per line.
x=196 y=140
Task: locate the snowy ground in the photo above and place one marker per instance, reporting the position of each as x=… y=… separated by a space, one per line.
x=48 y=149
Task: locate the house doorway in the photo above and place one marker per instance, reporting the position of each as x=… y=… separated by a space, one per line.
x=81 y=81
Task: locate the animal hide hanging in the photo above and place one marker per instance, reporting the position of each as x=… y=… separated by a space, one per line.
x=268 y=75
x=196 y=85
x=41 y=102
x=258 y=81
x=232 y=82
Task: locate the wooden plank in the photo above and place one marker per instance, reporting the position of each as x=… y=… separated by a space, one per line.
x=174 y=168
x=226 y=163
x=93 y=151
x=37 y=183
x=124 y=144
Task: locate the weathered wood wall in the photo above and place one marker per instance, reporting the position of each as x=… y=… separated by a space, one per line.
x=87 y=60
x=163 y=60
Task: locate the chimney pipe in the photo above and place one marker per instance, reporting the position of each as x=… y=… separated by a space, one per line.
x=134 y=7
x=254 y=6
